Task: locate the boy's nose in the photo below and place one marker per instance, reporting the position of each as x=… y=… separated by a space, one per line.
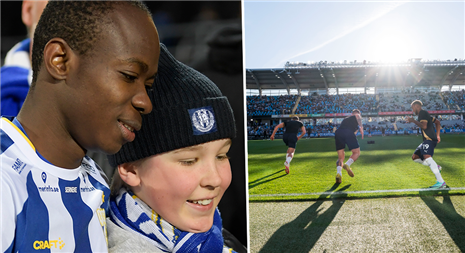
x=211 y=178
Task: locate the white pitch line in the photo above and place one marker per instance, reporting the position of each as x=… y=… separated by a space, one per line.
x=352 y=192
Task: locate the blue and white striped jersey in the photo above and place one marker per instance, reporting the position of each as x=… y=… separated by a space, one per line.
x=47 y=208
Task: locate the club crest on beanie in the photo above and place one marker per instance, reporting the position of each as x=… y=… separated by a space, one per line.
x=188 y=110
x=203 y=120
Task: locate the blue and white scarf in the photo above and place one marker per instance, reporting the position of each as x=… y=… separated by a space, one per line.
x=130 y=212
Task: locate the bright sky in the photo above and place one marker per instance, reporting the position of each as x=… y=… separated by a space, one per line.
x=306 y=31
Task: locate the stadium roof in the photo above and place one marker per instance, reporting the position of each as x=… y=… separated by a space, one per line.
x=323 y=75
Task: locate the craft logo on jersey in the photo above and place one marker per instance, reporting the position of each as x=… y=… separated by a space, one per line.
x=57 y=244
x=203 y=120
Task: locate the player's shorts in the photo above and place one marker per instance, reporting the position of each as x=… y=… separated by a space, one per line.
x=426 y=148
x=290 y=140
x=346 y=136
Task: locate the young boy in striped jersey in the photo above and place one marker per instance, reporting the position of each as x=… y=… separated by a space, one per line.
x=91 y=66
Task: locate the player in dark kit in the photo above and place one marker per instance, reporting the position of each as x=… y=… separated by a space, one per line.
x=290 y=137
x=424 y=152
x=345 y=134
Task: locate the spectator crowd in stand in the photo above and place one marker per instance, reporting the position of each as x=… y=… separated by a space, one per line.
x=319 y=104
x=270 y=105
x=455 y=99
x=337 y=103
x=401 y=102
x=345 y=103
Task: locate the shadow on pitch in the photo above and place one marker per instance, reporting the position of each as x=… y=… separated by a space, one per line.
x=301 y=234
x=262 y=181
x=453 y=222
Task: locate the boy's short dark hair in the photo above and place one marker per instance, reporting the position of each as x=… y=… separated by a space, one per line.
x=416 y=102
x=77 y=22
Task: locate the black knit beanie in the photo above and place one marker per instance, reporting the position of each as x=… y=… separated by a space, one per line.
x=188 y=109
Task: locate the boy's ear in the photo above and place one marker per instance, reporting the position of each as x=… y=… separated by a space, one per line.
x=129 y=174
x=57 y=58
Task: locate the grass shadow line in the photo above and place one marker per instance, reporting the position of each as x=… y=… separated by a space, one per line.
x=251 y=182
x=255 y=183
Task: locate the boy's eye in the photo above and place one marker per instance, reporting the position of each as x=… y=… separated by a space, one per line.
x=222 y=157
x=188 y=162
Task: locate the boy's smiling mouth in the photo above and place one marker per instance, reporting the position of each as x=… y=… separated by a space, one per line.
x=203 y=202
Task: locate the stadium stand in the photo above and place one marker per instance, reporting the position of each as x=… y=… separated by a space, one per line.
x=401 y=102
x=270 y=105
x=277 y=105
x=337 y=103
x=455 y=99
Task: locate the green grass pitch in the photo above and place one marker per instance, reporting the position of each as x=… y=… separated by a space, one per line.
x=382 y=169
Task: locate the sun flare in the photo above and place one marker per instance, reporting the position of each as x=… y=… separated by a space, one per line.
x=390 y=47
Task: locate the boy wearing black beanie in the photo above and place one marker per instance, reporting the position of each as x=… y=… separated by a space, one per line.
x=170 y=179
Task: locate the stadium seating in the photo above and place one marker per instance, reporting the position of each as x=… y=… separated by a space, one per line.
x=270 y=105
x=387 y=102
x=455 y=99
x=337 y=103
x=401 y=102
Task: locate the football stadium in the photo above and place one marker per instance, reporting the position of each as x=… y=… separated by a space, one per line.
x=308 y=199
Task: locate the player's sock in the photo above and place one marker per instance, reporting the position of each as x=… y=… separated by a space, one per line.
x=421 y=162
x=434 y=168
x=339 y=170
x=350 y=161
x=288 y=159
